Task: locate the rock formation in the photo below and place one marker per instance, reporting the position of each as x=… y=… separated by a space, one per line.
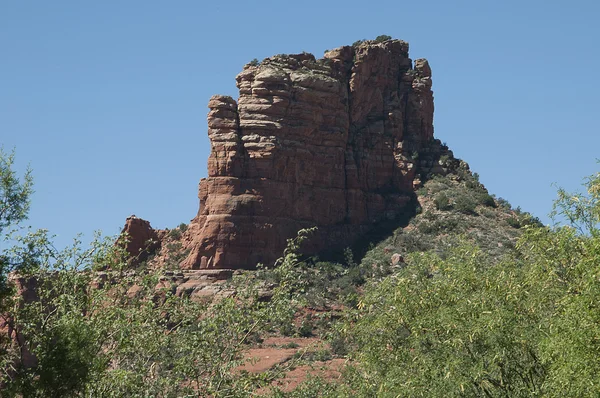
x=139 y=239
x=329 y=142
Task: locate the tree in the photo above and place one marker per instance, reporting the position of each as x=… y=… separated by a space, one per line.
x=581 y=210
x=14 y=206
x=14 y=193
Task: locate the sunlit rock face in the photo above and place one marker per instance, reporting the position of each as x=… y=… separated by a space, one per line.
x=331 y=143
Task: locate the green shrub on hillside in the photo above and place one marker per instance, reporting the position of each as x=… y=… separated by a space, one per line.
x=442 y=202
x=465 y=204
x=484 y=198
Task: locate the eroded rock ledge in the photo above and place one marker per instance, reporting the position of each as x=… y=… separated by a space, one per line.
x=336 y=143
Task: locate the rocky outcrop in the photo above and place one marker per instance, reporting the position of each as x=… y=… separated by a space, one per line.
x=139 y=239
x=333 y=143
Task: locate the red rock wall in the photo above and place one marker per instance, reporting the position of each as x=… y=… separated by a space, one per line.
x=328 y=143
x=139 y=239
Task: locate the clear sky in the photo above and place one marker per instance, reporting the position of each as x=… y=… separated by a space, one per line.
x=107 y=99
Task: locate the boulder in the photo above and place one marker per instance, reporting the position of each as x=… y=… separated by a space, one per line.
x=139 y=239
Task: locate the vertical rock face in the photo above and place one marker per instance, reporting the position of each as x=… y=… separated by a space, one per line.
x=330 y=143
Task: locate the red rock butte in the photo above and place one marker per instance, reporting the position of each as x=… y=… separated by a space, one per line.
x=335 y=143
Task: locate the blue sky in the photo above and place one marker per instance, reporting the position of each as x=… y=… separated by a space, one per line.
x=107 y=99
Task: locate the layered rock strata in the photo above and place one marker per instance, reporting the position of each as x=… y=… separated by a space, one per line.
x=331 y=142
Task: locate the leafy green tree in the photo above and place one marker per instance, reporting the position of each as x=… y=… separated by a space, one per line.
x=58 y=348
x=581 y=210
x=14 y=193
x=566 y=261
x=452 y=327
x=14 y=205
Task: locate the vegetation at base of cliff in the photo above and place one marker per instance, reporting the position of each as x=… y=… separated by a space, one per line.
x=466 y=321
x=452 y=207
x=124 y=337
x=437 y=309
x=118 y=334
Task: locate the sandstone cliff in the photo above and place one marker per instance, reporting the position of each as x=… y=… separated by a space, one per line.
x=338 y=143
x=329 y=142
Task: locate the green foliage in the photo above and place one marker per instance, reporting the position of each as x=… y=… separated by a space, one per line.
x=582 y=211
x=56 y=329
x=306 y=328
x=463 y=197
x=318 y=355
x=96 y=339
x=435 y=329
x=501 y=202
x=442 y=202
x=14 y=206
x=484 y=198
x=465 y=204
x=520 y=219
x=176 y=233
x=14 y=193
x=382 y=38
x=323 y=283
x=313 y=387
x=440 y=230
x=528 y=325
x=442 y=225
x=254 y=62
x=565 y=268
x=468 y=314
x=173 y=350
x=513 y=221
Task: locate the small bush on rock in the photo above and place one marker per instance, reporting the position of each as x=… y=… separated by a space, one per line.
x=382 y=38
